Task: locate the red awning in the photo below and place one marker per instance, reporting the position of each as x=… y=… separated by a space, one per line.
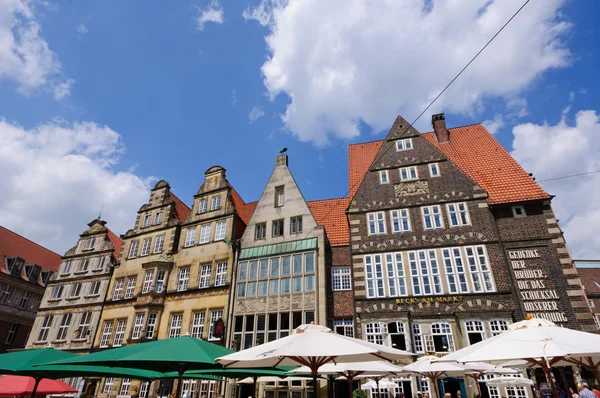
x=20 y=385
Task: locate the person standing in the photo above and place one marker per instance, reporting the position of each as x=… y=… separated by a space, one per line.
x=585 y=391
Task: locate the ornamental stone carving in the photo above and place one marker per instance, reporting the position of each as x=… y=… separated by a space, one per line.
x=411 y=188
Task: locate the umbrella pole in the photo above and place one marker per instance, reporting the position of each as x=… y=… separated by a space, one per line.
x=437 y=389
x=254 y=380
x=179 y=384
x=548 y=374
x=35 y=386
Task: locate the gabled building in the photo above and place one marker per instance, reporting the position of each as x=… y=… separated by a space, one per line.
x=589 y=270
x=70 y=310
x=25 y=269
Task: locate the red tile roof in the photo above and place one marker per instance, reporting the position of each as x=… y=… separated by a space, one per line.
x=182 y=209
x=331 y=214
x=360 y=158
x=13 y=244
x=481 y=157
x=244 y=209
x=116 y=241
x=590 y=277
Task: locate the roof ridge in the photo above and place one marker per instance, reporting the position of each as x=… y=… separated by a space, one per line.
x=366 y=142
x=29 y=240
x=459 y=127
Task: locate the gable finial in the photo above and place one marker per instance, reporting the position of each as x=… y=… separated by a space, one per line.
x=100 y=215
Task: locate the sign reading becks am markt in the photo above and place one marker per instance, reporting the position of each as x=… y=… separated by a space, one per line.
x=539 y=299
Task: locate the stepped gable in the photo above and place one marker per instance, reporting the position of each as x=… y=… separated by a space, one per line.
x=13 y=244
x=481 y=157
x=331 y=214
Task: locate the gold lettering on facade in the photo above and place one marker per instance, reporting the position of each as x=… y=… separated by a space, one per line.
x=425 y=300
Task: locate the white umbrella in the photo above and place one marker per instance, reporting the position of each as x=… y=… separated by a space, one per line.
x=374 y=385
x=429 y=367
x=509 y=382
x=537 y=341
x=271 y=379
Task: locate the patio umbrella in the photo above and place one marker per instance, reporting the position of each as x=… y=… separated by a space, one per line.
x=311 y=346
x=510 y=382
x=62 y=371
x=475 y=370
x=540 y=343
x=429 y=367
x=20 y=385
x=377 y=384
x=178 y=354
x=16 y=362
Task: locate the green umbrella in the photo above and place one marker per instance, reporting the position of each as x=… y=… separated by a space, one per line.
x=62 y=371
x=179 y=354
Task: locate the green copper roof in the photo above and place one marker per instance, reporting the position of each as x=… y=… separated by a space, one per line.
x=279 y=248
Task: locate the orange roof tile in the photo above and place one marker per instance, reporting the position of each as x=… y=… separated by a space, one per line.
x=13 y=244
x=243 y=209
x=116 y=241
x=331 y=214
x=182 y=209
x=360 y=158
x=477 y=153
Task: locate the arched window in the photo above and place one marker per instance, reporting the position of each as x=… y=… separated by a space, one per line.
x=397 y=335
x=498 y=326
x=475 y=331
x=375 y=332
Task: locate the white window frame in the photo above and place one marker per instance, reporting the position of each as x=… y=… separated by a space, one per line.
x=27 y=295
x=94 y=288
x=158 y=217
x=158 y=244
x=159 y=285
x=89 y=243
x=344 y=326
x=431 y=212
x=125 y=383
x=455 y=267
x=279 y=195
x=296 y=225
x=146 y=247
x=404 y=144
x=203 y=205
x=75 y=290
x=214 y=316
x=221 y=275
x=106 y=333
x=376 y=332
x=138 y=325
x=432 y=167
x=130 y=289
x=57 y=292
x=374 y=275
x=498 y=326
x=133 y=248
x=67 y=267
x=148 y=279
x=376 y=223
x=10 y=336
x=220 y=230
x=175 y=325
x=108 y=385
x=183 y=279
x=84 y=265
x=396 y=278
x=461 y=211
x=204 y=277
x=341 y=279
x=144 y=387
x=443 y=329
x=215 y=202
x=100 y=263
x=398 y=217
x=384 y=177
x=63 y=328
x=147 y=220
x=425 y=271
x=84 y=323
x=190 y=237
x=45 y=328
x=518 y=211
x=479 y=269
x=198 y=323
x=417 y=338
x=474 y=326
x=119 y=332
x=409 y=173
x=118 y=288
x=204 y=234
x=151 y=325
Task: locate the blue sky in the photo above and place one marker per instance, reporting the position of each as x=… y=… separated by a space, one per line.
x=139 y=93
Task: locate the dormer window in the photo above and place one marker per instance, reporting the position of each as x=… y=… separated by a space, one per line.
x=89 y=243
x=203 y=206
x=215 y=203
x=158 y=218
x=147 y=219
x=404 y=145
x=519 y=211
x=14 y=264
x=279 y=196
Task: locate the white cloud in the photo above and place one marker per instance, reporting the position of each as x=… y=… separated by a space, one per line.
x=63 y=89
x=494 y=125
x=24 y=55
x=55 y=178
x=212 y=13
x=81 y=28
x=341 y=62
x=233 y=96
x=255 y=113
x=567 y=148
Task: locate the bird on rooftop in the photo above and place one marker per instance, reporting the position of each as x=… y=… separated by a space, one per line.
x=284 y=150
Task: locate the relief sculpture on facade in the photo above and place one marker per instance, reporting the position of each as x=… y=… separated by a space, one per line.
x=411 y=188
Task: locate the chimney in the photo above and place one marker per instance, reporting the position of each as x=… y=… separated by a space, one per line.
x=439 y=128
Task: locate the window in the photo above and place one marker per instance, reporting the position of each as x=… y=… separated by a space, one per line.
x=397 y=335
x=417 y=338
x=260 y=230
x=138 y=324
x=148 y=279
x=277 y=228
x=479 y=269
x=175 y=328
x=89 y=243
x=190 y=237
x=144 y=389
x=475 y=331
x=130 y=287
x=215 y=203
x=241 y=290
x=455 y=270
x=345 y=327
x=341 y=279
x=400 y=220
x=75 y=290
x=425 y=272
x=442 y=337
x=83 y=265
x=84 y=324
x=57 y=292
x=125 y=383
x=375 y=332
x=94 y=288
x=158 y=217
x=498 y=326
x=146 y=246
x=519 y=211
x=198 y=319
x=374 y=276
x=158 y=244
x=590 y=303
x=408 y=173
x=221 y=277
x=100 y=263
x=432 y=217
x=279 y=196
x=160 y=281
x=183 y=279
x=296 y=225
x=207 y=389
x=376 y=223
x=133 y=249
x=147 y=218
x=108 y=385
x=118 y=289
x=205 y=272
x=119 y=333
x=65 y=322
x=220 y=230
x=383 y=177
x=151 y=325
x=273 y=287
x=434 y=170
x=395 y=275
x=215 y=315
x=458 y=214
x=67 y=267
x=203 y=206
x=6 y=293
x=205 y=234
x=27 y=294
x=11 y=333
x=405 y=144
x=106 y=333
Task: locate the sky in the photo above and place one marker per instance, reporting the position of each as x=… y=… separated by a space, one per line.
x=100 y=100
